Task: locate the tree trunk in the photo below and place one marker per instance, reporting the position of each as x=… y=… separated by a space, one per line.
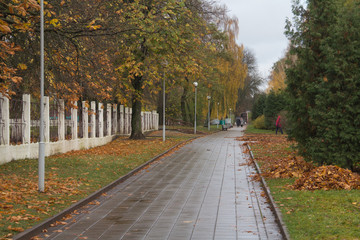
x=160 y=107
x=183 y=105
x=136 y=129
x=191 y=115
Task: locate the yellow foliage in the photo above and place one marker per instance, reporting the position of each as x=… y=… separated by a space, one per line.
x=232 y=71
x=277 y=76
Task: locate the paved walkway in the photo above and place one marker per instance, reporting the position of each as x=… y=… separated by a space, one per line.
x=203 y=191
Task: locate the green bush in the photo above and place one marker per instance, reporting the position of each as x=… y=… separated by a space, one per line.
x=259 y=123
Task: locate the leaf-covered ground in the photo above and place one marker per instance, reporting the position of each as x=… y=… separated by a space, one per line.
x=69 y=178
x=316 y=202
x=278 y=159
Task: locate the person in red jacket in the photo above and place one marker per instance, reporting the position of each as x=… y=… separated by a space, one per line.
x=278 y=125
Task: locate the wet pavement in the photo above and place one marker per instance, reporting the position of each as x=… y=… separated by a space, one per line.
x=202 y=191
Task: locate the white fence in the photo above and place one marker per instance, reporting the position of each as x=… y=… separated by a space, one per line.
x=80 y=127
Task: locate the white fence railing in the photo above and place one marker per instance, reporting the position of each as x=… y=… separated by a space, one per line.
x=81 y=127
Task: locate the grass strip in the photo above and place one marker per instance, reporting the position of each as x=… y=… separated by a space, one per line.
x=309 y=215
x=317 y=214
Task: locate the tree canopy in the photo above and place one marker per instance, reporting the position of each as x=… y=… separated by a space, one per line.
x=120 y=50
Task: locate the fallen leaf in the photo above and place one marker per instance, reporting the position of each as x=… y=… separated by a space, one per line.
x=16 y=229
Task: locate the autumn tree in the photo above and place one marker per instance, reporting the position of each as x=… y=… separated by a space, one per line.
x=78 y=47
x=164 y=32
x=252 y=83
x=16 y=18
x=231 y=70
x=277 y=76
x=205 y=55
x=323 y=82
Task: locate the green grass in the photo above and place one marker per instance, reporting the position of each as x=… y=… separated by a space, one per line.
x=318 y=214
x=213 y=128
x=251 y=129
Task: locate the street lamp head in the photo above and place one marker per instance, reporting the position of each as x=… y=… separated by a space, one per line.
x=195 y=84
x=208 y=97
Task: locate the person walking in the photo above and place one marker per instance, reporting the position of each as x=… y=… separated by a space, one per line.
x=278 y=125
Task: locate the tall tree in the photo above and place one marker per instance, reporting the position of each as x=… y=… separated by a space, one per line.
x=231 y=68
x=252 y=83
x=322 y=83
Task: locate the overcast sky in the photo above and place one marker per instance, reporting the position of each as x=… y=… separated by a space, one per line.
x=261 y=28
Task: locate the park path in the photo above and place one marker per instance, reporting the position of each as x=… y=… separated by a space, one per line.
x=202 y=191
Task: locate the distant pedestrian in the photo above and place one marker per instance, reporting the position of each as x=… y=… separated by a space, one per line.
x=278 y=125
x=238 y=122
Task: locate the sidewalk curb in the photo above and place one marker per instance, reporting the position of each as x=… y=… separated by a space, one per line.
x=274 y=207
x=37 y=229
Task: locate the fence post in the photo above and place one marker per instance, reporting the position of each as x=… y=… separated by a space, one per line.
x=5 y=121
x=46 y=119
x=74 y=120
x=130 y=119
x=108 y=119
x=157 y=121
x=114 y=124
x=26 y=118
x=142 y=121
x=153 y=117
x=85 y=120
x=121 y=120
x=61 y=121
x=145 y=121
x=101 y=120
x=126 y=125
x=93 y=119
x=148 y=120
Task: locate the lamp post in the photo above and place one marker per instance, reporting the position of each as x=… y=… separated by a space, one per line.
x=195 y=84
x=41 y=163
x=164 y=109
x=217 y=115
x=208 y=97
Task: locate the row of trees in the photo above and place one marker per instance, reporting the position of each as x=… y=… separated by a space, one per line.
x=317 y=83
x=121 y=50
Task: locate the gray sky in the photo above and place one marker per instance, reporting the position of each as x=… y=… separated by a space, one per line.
x=261 y=28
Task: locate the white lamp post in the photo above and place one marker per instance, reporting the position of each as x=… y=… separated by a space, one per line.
x=208 y=97
x=164 y=110
x=217 y=115
x=41 y=163
x=195 y=84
